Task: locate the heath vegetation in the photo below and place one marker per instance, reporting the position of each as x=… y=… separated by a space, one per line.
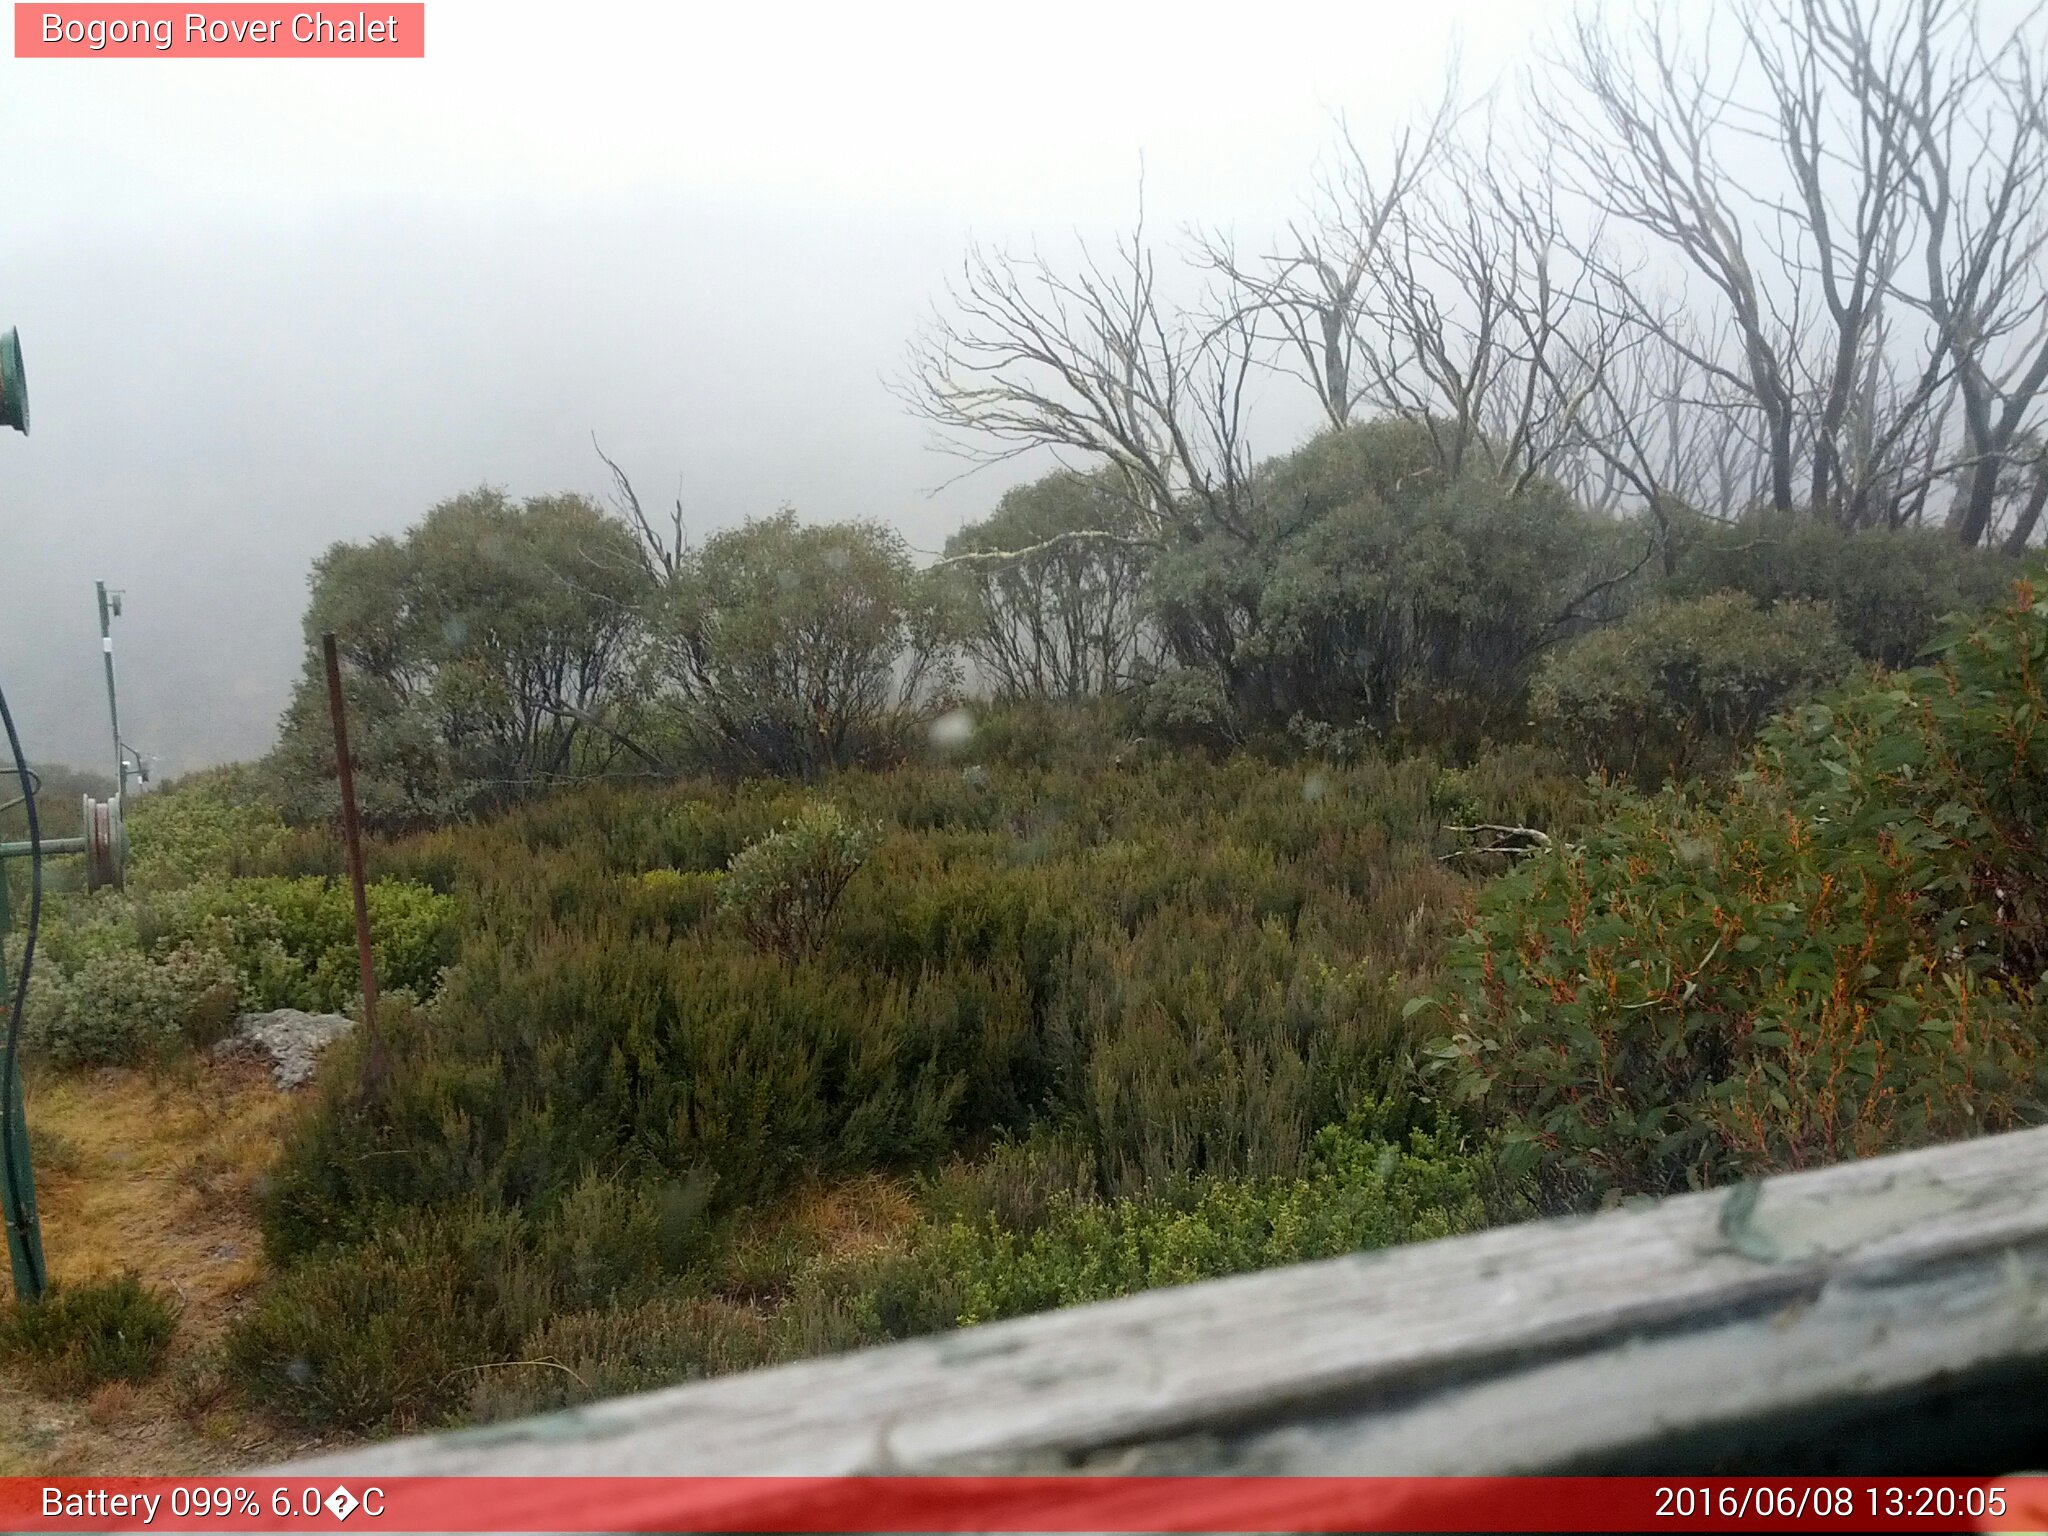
x=1605 y=759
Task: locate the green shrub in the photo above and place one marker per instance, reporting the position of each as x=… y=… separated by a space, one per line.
x=81 y=1336
x=1889 y=589
x=1836 y=957
x=1090 y=978
x=122 y=978
x=291 y=941
x=208 y=826
x=122 y=1008
x=781 y=890
x=1678 y=688
x=386 y=1335
x=1360 y=1191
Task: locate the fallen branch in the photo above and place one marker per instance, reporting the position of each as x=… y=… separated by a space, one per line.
x=563 y=709
x=1078 y=536
x=1512 y=842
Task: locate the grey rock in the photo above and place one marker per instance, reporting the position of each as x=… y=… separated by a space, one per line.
x=291 y=1039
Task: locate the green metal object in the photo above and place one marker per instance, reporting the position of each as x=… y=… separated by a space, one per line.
x=24 y=1230
x=124 y=755
x=13 y=385
x=104 y=844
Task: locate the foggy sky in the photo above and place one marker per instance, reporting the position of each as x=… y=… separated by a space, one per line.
x=266 y=305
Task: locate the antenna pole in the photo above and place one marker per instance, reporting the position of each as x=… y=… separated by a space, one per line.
x=113 y=708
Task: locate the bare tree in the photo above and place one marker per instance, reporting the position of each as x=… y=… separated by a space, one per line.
x=1640 y=137
x=2028 y=518
x=1095 y=362
x=663 y=549
x=1314 y=292
x=1490 y=344
x=1969 y=116
x=1857 y=189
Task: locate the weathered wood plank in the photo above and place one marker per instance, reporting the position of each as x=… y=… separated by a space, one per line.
x=1552 y=1344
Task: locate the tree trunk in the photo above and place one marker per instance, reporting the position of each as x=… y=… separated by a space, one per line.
x=2030 y=514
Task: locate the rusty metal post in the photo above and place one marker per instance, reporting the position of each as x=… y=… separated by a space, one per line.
x=352 y=832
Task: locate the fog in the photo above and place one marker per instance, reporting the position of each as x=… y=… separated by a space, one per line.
x=266 y=305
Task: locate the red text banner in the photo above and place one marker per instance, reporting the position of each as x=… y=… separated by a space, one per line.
x=225 y=31
x=831 y=1504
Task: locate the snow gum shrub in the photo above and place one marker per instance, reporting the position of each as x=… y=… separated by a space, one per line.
x=81 y=1336
x=1838 y=956
x=781 y=891
x=1888 y=589
x=1677 y=688
x=1188 y=707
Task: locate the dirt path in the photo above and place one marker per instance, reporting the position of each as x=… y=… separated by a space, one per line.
x=155 y=1173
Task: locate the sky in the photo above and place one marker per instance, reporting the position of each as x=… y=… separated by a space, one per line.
x=267 y=305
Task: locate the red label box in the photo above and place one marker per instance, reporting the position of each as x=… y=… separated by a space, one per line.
x=225 y=31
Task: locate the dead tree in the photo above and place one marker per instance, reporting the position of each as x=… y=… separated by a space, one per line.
x=1856 y=190
x=662 y=549
x=1094 y=361
x=1315 y=290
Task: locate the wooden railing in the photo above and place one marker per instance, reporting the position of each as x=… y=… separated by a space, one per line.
x=1883 y=1316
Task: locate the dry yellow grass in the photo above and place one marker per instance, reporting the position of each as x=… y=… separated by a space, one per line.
x=154 y=1173
x=859 y=1215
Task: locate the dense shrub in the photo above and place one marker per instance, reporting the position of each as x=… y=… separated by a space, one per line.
x=384 y=1334
x=123 y=1007
x=1838 y=956
x=1209 y=1044
x=782 y=889
x=1360 y=1191
x=1679 y=687
x=1371 y=590
x=394 y=1331
x=1098 y=978
x=208 y=826
x=1889 y=589
x=82 y=1336
x=292 y=940
x=796 y=649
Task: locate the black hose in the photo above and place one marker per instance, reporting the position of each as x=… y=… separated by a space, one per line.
x=16 y=1177
x=36 y=781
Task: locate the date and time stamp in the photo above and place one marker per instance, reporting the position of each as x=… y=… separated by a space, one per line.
x=1073 y=1503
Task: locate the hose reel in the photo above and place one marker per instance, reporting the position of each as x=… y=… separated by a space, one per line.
x=106 y=844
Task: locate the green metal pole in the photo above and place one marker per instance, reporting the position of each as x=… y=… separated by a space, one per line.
x=24 y=1232
x=113 y=709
